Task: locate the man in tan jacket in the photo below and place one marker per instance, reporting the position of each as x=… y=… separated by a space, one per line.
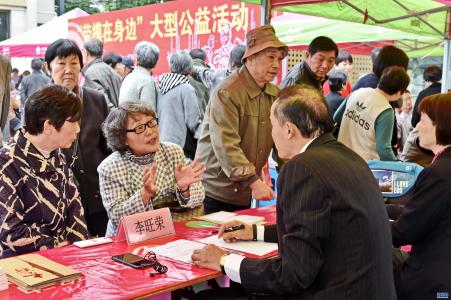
x=236 y=133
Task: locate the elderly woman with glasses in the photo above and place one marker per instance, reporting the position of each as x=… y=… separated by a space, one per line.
x=143 y=173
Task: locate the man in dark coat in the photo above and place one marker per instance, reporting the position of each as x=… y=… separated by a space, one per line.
x=432 y=75
x=332 y=226
x=98 y=75
x=202 y=92
x=34 y=82
x=319 y=60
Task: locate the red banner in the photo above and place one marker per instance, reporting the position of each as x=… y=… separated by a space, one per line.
x=213 y=25
x=34 y=50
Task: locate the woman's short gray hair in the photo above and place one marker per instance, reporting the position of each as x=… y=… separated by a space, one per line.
x=147 y=54
x=115 y=126
x=181 y=63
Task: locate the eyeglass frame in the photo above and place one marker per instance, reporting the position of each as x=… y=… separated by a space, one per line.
x=147 y=124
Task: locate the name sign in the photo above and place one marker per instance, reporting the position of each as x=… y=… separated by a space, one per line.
x=144 y=226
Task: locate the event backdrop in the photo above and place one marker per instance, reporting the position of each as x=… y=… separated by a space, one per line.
x=213 y=25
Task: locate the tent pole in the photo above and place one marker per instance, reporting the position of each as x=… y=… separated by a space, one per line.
x=446 y=65
x=446 y=54
x=266 y=11
x=61 y=8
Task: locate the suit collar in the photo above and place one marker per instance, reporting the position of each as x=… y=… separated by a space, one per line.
x=321 y=140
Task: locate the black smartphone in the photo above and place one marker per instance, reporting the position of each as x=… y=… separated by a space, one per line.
x=132 y=260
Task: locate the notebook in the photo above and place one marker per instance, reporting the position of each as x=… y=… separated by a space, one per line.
x=34 y=271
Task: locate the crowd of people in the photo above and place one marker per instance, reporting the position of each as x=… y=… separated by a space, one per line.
x=81 y=154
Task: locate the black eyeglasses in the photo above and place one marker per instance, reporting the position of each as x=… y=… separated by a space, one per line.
x=141 y=128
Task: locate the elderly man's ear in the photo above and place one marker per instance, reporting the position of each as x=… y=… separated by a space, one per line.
x=290 y=130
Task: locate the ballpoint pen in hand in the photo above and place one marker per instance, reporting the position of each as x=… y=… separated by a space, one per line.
x=230 y=229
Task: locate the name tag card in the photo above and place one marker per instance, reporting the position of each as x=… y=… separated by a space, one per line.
x=144 y=226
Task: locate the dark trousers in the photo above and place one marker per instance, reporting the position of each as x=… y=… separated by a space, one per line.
x=399 y=258
x=212 y=205
x=232 y=293
x=97 y=223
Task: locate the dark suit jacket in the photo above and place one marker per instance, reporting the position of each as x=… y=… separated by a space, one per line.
x=31 y=84
x=426 y=224
x=433 y=89
x=92 y=150
x=333 y=231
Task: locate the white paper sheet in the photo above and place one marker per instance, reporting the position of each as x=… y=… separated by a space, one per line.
x=223 y=216
x=180 y=250
x=252 y=247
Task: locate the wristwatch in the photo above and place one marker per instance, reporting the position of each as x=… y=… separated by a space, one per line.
x=222 y=261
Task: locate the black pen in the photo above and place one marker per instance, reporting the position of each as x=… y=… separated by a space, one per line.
x=230 y=229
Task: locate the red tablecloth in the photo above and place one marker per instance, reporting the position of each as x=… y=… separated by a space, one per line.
x=105 y=279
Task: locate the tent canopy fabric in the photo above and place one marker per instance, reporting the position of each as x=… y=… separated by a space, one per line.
x=297 y=29
x=33 y=43
x=426 y=17
x=430 y=18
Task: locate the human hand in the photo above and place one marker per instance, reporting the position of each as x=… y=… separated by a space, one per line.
x=192 y=173
x=149 y=187
x=208 y=257
x=260 y=191
x=62 y=244
x=245 y=234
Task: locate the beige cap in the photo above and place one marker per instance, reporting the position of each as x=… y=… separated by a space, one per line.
x=261 y=38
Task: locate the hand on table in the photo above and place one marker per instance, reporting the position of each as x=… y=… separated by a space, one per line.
x=208 y=257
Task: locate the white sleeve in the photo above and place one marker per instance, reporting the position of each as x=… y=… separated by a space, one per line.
x=232 y=264
x=260 y=233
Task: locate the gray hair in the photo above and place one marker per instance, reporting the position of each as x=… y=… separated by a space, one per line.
x=181 y=63
x=146 y=54
x=36 y=64
x=115 y=126
x=306 y=108
x=236 y=55
x=94 y=47
x=198 y=53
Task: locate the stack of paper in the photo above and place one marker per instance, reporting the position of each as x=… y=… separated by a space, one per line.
x=180 y=250
x=34 y=271
x=259 y=248
x=224 y=216
x=3 y=280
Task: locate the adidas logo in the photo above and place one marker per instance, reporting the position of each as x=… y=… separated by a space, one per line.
x=360 y=106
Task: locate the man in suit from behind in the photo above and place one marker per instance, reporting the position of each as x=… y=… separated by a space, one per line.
x=332 y=226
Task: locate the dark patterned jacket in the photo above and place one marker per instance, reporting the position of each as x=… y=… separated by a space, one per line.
x=39 y=205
